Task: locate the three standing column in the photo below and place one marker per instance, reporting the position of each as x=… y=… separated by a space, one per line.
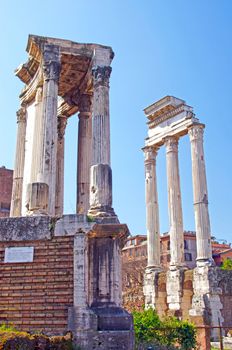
x=200 y=195
x=174 y=203
x=16 y=200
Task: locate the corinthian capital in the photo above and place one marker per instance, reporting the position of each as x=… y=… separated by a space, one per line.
x=85 y=104
x=21 y=115
x=171 y=143
x=51 y=62
x=101 y=75
x=196 y=132
x=150 y=153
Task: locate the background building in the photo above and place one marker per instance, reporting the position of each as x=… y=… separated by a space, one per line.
x=6 y=178
x=134 y=261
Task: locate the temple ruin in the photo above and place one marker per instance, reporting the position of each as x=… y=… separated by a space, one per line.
x=65 y=270
x=198 y=297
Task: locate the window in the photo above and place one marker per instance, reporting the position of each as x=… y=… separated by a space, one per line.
x=168 y=246
x=185 y=244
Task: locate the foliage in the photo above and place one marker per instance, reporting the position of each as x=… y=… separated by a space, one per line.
x=227 y=264
x=169 y=331
x=12 y=339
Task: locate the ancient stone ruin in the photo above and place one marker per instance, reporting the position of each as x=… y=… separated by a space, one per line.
x=202 y=294
x=62 y=272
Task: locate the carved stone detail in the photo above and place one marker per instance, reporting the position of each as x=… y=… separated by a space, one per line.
x=85 y=104
x=61 y=126
x=51 y=63
x=196 y=132
x=101 y=75
x=21 y=115
x=171 y=144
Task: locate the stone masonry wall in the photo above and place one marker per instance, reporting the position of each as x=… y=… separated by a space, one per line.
x=36 y=296
x=225 y=283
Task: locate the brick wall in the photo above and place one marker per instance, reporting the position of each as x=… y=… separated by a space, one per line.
x=36 y=296
x=6 y=180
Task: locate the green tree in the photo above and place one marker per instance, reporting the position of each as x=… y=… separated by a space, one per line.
x=227 y=264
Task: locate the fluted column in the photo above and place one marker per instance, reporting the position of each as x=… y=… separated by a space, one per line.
x=16 y=200
x=84 y=153
x=47 y=164
x=100 y=173
x=37 y=137
x=174 y=203
x=61 y=126
x=200 y=196
x=152 y=208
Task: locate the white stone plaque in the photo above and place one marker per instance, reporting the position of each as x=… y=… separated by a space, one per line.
x=19 y=254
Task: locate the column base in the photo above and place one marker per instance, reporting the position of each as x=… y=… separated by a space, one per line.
x=37 y=198
x=174 y=287
x=206 y=298
x=150 y=286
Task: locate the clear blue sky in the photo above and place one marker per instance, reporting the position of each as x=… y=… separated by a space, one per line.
x=162 y=47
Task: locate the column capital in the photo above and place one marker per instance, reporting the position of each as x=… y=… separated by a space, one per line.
x=101 y=75
x=196 y=132
x=61 y=126
x=51 y=62
x=150 y=153
x=171 y=143
x=85 y=106
x=21 y=115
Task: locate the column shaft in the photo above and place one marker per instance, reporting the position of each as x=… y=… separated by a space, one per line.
x=174 y=203
x=152 y=209
x=200 y=195
x=16 y=200
x=47 y=164
x=59 y=207
x=100 y=172
x=84 y=154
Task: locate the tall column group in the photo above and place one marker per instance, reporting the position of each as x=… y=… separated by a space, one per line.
x=176 y=231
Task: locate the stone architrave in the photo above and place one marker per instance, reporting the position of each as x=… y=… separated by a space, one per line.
x=100 y=173
x=47 y=164
x=174 y=204
x=16 y=200
x=61 y=126
x=200 y=195
x=84 y=153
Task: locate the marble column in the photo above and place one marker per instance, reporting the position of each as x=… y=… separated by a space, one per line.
x=200 y=195
x=100 y=172
x=152 y=209
x=84 y=153
x=174 y=203
x=16 y=200
x=37 y=136
x=61 y=126
x=47 y=164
